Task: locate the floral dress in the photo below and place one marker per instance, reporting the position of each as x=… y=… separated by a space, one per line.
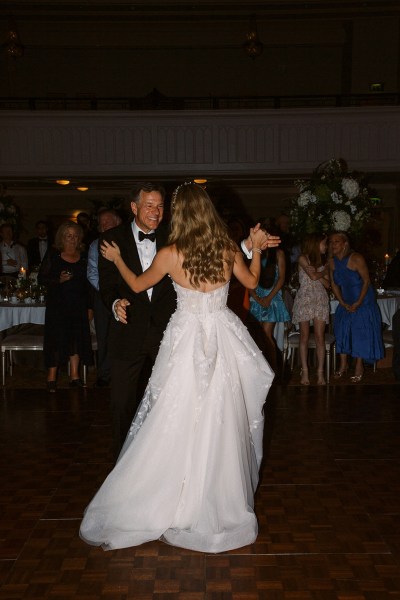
x=311 y=301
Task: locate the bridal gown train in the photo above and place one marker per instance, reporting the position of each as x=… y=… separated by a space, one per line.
x=188 y=470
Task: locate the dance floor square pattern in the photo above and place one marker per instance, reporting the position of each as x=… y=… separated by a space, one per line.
x=328 y=503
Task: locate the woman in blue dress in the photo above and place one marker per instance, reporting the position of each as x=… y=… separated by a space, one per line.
x=357 y=326
x=266 y=301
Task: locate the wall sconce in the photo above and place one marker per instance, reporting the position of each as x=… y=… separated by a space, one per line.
x=253 y=45
x=13 y=46
x=82 y=188
x=62 y=181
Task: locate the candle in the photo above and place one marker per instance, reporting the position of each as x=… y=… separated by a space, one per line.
x=387 y=260
x=22 y=272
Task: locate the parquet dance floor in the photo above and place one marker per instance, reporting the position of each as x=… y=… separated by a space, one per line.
x=328 y=504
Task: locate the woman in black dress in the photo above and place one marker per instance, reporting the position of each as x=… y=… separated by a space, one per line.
x=66 y=330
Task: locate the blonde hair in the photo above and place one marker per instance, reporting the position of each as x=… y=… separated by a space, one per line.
x=200 y=235
x=62 y=230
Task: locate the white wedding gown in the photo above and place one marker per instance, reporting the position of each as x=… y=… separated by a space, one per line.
x=189 y=467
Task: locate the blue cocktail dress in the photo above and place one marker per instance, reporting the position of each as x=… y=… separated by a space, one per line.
x=358 y=334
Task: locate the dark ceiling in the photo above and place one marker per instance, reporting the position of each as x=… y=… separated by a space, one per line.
x=189 y=9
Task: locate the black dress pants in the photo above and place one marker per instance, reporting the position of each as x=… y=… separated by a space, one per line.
x=128 y=380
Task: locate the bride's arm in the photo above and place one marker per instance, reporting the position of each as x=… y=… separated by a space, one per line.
x=138 y=283
x=249 y=275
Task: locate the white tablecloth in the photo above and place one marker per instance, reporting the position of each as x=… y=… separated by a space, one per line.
x=387 y=305
x=16 y=314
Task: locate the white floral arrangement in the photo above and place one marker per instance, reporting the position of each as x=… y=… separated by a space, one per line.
x=9 y=212
x=333 y=199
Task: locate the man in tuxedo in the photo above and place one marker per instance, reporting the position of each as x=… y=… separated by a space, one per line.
x=139 y=319
x=107 y=218
x=38 y=246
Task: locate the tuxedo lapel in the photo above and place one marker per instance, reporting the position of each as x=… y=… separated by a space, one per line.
x=132 y=256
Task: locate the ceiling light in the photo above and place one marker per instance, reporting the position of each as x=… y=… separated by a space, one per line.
x=82 y=188
x=62 y=181
x=200 y=181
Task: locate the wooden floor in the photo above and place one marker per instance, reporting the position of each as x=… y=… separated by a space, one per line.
x=328 y=504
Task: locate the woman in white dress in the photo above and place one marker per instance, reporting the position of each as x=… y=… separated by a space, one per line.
x=188 y=470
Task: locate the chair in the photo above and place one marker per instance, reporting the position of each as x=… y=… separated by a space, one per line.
x=21 y=341
x=388 y=342
x=14 y=343
x=292 y=343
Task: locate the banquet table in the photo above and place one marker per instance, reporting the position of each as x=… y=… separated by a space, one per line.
x=388 y=304
x=17 y=314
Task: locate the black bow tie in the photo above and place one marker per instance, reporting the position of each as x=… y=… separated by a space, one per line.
x=147 y=236
x=42 y=239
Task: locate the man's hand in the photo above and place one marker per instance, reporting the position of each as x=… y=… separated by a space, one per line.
x=120 y=310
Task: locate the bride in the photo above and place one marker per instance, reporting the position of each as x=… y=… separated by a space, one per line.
x=188 y=470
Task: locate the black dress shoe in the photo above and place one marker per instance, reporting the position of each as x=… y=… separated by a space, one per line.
x=102 y=383
x=74 y=383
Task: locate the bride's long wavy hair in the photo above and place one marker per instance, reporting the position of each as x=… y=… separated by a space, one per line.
x=200 y=235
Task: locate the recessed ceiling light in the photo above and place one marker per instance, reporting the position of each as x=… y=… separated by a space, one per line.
x=62 y=181
x=200 y=181
x=82 y=188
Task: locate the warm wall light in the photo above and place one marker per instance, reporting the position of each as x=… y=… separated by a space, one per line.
x=200 y=181
x=82 y=188
x=13 y=46
x=377 y=87
x=62 y=181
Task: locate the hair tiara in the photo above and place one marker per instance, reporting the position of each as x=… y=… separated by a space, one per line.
x=177 y=190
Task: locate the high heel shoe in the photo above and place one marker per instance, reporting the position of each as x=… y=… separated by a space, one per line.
x=320 y=378
x=340 y=373
x=304 y=377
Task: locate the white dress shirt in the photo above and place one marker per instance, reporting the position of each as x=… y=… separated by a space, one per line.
x=16 y=252
x=146 y=250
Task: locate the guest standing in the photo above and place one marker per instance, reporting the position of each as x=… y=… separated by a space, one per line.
x=107 y=218
x=357 y=325
x=39 y=245
x=266 y=301
x=311 y=302
x=66 y=329
x=396 y=344
x=392 y=277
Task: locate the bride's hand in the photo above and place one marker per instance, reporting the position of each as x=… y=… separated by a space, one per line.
x=110 y=251
x=258 y=237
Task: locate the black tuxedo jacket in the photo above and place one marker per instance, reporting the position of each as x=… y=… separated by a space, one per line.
x=34 y=252
x=125 y=341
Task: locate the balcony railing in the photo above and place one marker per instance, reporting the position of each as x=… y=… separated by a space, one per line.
x=157 y=101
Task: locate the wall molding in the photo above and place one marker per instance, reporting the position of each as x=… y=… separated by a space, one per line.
x=145 y=143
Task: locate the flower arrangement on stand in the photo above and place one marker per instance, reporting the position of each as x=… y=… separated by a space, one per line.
x=333 y=199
